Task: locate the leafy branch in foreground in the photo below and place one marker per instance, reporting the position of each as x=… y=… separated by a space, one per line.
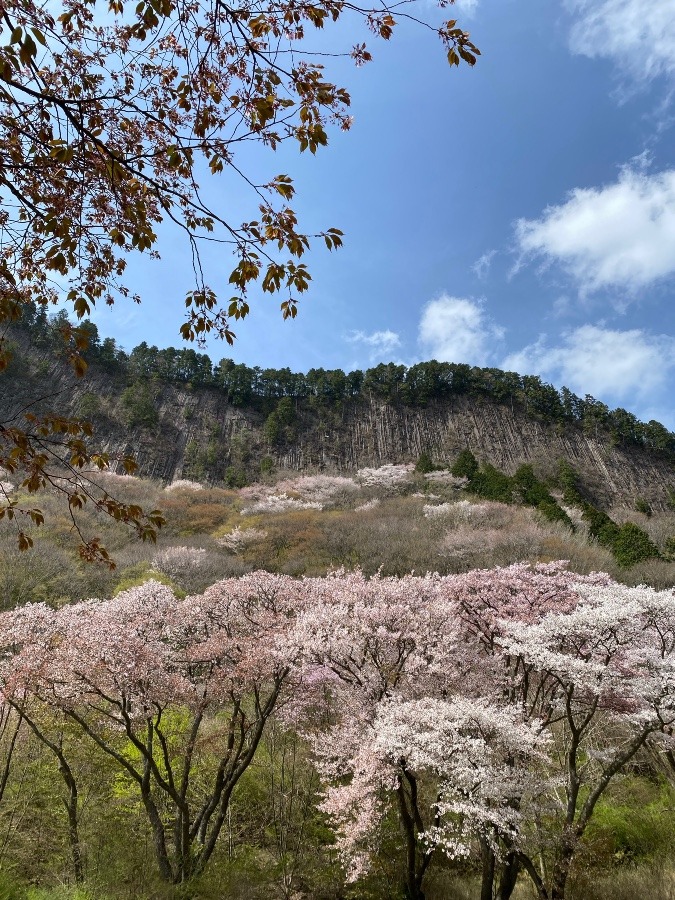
x=110 y=114
x=51 y=452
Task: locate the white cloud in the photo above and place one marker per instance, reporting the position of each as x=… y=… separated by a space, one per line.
x=379 y=343
x=637 y=35
x=618 y=236
x=467 y=6
x=561 y=307
x=481 y=268
x=456 y=329
x=602 y=362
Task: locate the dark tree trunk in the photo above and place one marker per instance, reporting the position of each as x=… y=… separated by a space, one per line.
x=158 y=837
x=531 y=870
x=416 y=862
x=508 y=876
x=71 y=803
x=487 y=870
x=561 y=869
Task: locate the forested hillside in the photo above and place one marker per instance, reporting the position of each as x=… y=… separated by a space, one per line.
x=227 y=423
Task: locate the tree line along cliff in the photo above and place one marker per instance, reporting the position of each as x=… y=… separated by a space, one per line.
x=186 y=417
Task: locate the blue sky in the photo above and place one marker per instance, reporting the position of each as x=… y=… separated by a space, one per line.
x=519 y=215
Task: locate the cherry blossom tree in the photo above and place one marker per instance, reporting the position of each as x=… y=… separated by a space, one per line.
x=176 y=562
x=582 y=657
x=366 y=641
x=470 y=756
x=543 y=654
x=164 y=688
x=474 y=707
x=375 y=634
x=599 y=678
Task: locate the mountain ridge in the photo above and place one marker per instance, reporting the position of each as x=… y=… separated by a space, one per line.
x=186 y=431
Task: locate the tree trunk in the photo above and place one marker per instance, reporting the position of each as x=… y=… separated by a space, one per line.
x=531 y=870
x=159 y=838
x=70 y=801
x=73 y=826
x=487 y=870
x=508 y=876
x=413 y=884
x=561 y=868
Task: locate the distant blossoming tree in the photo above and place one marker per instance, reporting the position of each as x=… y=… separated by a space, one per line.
x=389 y=477
x=178 y=561
x=279 y=503
x=239 y=539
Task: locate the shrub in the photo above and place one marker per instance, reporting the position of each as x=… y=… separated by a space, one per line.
x=467 y=549
x=390 y=476
x=465 y=466
x=9 y=889
x=44 y=574
x=554 y=513
x=318 y=488
x=138 y=406
x=461 y=511
x=629 y=543
x=532 y=491
x=632 y=545
x=177 y=561
x=567 y=479
x=535 y=493
x=234 y=477
x=199 y=512
x=239 y=539
x=643 y=507
x=608 y=534
x=368 y=505
x=634 y=823
x=424 y=463
x=445 y=477
x=184 y=484
x=491 y=484
x=434 y=512
x=279 y=503
x=597 y=520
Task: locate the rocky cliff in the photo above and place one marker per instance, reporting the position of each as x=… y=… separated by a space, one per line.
x=184 y=432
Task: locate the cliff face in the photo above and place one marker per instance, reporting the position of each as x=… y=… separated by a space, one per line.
x=373 y=434
x=196 y=433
